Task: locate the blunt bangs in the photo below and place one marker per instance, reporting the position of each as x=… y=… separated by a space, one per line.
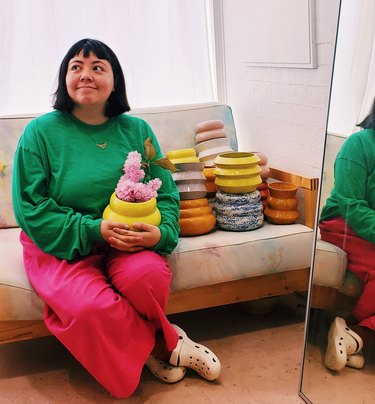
x=117 y=102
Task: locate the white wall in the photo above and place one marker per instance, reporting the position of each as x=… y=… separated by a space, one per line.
x=281 y=111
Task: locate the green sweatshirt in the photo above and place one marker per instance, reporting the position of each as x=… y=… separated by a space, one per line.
x=353 y=195
x=62 y=181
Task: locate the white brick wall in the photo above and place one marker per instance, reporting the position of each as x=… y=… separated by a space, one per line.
x=280 y=111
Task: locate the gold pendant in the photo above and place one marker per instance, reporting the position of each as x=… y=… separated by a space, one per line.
x=102 y=145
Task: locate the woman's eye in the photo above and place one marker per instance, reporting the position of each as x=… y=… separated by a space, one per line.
x=98 y=68
x=75 y=67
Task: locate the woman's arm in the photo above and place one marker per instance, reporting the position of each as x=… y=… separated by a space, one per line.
x=57 y=230
x=351 y=188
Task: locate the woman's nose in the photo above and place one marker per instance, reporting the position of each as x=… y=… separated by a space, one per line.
x=86 y=76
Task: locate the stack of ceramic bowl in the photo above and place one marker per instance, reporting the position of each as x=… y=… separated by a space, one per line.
x=208 y=150
x=264 y=174
x=211 y=140
x=196 y=216
x=190 y=181
x=238 y=203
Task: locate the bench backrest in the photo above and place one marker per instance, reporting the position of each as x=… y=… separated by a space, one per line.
x=173 y=126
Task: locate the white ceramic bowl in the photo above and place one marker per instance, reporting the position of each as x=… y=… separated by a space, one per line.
x=193 y=166
x=189 y=176
x=208 y=154
x=210 y=144
x=192 y=191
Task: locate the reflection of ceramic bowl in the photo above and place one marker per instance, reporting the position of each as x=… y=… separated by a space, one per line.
x=192 y=191
x=210 y=144
x=182 y=156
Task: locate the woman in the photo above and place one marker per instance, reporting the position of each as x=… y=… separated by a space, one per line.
x=105 y=287
x=348 y=221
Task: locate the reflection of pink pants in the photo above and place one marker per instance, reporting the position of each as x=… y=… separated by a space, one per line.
x=361 y=261
x=107 y=317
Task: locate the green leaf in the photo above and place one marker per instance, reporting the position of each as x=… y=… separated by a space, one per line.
x=150 y=151
x=167 y=164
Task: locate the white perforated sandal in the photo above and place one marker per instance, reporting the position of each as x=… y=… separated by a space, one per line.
x=165 y=371
x=342 y=341
x=195 y=356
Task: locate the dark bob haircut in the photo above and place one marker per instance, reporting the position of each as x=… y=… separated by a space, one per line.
x=369 y=121
x=117 y=102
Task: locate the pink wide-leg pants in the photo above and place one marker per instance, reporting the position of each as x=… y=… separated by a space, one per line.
x=105 y=308
x=361 y=261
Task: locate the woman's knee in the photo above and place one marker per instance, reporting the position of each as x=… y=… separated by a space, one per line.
x=147 y=284
x=146 y=269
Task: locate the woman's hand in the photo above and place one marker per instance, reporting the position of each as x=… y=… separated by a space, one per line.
x=118 y=235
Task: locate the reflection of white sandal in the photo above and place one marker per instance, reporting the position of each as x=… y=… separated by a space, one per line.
x=195 y=356
x=356 y=361
x=342 y=341
x=164 y=371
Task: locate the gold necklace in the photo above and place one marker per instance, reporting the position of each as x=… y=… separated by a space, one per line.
x=102 y=145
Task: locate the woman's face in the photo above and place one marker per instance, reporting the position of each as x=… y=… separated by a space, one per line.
x=89 y=81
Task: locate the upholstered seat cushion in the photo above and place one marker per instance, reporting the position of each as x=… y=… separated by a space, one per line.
x=330 y=270
x=218 y=257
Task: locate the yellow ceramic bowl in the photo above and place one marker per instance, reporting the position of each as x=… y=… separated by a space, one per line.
x=236 y=159
x=190 y=159
x=238 y=185
x=234 y=172
x=132 y=212
x=181 y=153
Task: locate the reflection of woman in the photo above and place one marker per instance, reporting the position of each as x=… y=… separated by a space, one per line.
x=105 y=287
x=348 y=221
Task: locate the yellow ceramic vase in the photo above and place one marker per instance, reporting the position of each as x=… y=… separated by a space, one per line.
x=132 y=212
x=237 y=172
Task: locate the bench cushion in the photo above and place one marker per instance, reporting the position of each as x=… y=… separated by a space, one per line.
x=330 y=270
x=217 y=257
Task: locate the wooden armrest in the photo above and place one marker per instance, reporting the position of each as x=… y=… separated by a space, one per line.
x=309 y=186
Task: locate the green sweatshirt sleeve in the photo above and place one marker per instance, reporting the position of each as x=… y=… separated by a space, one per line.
x=351 y=188
x=168 y=202
x=57 y=230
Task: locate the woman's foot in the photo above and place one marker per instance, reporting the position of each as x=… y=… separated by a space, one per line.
x=165 y=371
x=195 y=356
x=342 y=341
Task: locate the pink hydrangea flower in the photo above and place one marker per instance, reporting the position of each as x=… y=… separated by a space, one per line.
x=129 y=187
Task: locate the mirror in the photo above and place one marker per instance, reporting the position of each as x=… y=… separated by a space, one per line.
x=334 y=290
